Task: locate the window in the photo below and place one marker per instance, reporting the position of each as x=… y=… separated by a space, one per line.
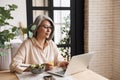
x=68 y=16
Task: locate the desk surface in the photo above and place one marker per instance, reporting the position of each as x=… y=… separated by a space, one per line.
x=86 y=75
x=7 y=75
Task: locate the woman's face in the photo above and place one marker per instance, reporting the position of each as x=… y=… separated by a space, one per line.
x=44 y=29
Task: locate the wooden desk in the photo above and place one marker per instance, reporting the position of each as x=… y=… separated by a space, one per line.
x=86 y=75
x=7 y=75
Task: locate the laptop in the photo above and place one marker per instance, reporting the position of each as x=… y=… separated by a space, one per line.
x=78 y=63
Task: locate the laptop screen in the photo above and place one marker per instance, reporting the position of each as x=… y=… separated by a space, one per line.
x=77 y=64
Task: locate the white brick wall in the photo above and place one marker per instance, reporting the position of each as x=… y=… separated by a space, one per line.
x=100 y=36
x=104 y=36
x=116 y=38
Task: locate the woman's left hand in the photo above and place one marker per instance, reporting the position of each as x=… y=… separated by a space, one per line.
x=63 y=64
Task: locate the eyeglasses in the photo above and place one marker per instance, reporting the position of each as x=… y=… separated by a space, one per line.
x=47 y=27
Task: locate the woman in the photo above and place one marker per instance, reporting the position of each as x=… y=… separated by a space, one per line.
x=39 y=49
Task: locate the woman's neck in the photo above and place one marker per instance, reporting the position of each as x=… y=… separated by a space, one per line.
x=41 y=41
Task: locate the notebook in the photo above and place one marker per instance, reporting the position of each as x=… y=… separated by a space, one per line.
x=77 y=64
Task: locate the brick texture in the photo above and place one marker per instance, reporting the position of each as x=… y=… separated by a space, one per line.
x=100 y=36
x=116 y=40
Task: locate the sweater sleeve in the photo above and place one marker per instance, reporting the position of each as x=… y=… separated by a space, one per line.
x=58 y=57
x=17 y=64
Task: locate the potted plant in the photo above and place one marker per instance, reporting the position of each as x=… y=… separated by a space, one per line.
x=7 y=33
x=65 y=30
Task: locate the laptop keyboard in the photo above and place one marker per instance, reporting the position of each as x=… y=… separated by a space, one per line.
x=61 y=72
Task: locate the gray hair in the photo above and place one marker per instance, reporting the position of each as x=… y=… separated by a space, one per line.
x=38 y=22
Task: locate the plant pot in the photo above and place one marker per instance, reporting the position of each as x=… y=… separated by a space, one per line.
x=6 y=59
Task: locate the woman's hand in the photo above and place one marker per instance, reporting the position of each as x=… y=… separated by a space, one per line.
x=63 y=64
x=27 y=69
x=48 y=66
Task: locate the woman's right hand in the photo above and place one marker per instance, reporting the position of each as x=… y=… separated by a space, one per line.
x=48 y=66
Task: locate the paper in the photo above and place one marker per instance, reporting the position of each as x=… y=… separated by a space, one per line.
x=30 y=76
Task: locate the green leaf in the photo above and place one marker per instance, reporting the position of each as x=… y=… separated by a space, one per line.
x=30 y=34
x=4 y=33
x=13 y=7
x=11 y=35
x=14 y=29
x=25 y=30
x=33 y=27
